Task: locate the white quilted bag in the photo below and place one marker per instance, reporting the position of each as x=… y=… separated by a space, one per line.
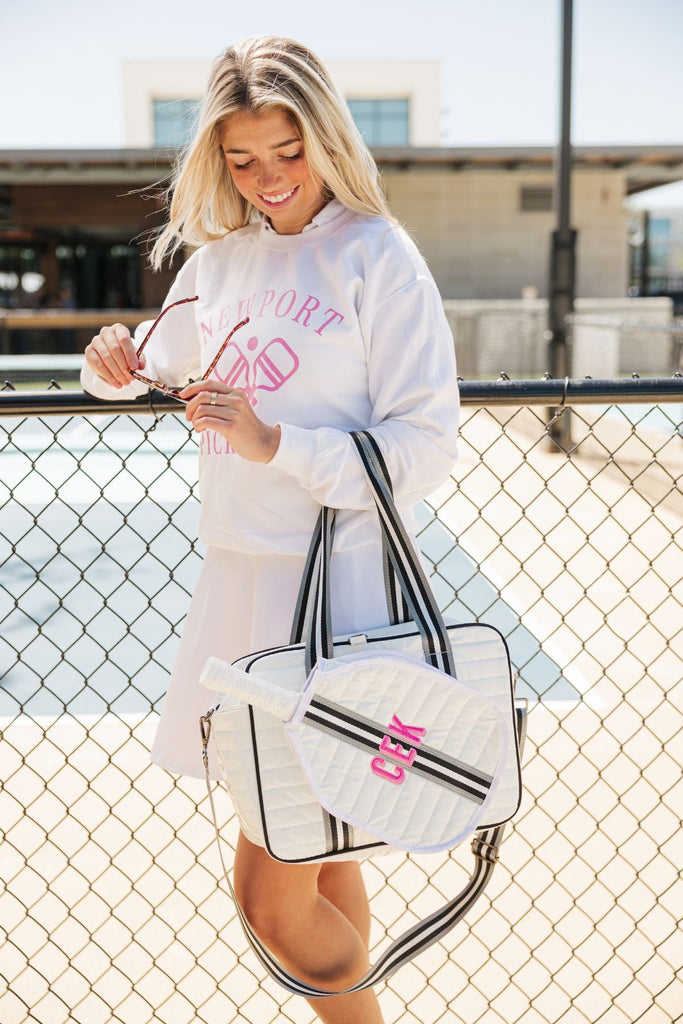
x=335 y=748
x=406 y=737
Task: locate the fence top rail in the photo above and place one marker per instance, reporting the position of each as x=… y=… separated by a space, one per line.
x=627 y=322
x=549 y=392
x=49 y=319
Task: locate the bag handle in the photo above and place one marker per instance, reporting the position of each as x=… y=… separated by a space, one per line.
x=324 y=533
x=418 y=938
x=312 y=618
x=414 y=584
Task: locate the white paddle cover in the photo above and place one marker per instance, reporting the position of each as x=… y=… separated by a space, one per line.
x=396 y=747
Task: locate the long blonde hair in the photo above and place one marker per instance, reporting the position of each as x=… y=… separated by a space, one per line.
x=258 y=75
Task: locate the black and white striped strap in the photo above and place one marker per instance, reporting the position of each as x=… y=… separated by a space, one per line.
x=485 y=847
x=401 y=566
x=307 y=596
x=414 y=584
x=308 y=592
x=396 y=602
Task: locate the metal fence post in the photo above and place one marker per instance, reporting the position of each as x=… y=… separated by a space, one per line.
x=563 y=241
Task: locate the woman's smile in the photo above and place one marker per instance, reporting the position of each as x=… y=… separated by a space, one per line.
x=279 y=200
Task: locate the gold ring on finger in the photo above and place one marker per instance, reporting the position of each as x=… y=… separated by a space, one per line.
x=214 y=398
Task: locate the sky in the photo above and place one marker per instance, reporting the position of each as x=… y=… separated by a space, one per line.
x=60 y=73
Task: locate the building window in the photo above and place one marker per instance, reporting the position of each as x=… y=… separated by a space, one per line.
x=382 y=122
x=22 y=283
x=174 y=121
x=535 y=198
x=659 y=238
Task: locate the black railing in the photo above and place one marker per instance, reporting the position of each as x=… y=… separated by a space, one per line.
x=546 y=391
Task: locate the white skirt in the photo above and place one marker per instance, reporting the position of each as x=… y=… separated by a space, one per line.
x=244 y=603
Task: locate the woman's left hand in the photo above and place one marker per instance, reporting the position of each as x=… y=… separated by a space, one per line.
x=230 y=414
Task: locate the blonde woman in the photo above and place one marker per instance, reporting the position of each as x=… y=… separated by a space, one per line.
x=280 y=199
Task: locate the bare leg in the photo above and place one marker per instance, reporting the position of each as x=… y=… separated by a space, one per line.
x=341 y=882
x=311 y=935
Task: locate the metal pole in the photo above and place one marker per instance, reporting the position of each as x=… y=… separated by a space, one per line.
x=563 y=240
x=645 y=255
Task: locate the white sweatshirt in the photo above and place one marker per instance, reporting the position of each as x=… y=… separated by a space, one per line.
x=347 y=332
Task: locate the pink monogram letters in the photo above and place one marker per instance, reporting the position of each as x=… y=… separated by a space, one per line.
x=396 y=751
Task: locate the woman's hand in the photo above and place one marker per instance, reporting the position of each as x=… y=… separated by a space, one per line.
x=112 y=355
x=230 y=414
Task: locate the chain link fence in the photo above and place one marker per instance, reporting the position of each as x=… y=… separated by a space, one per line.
x=606 y=338
x=111 y=904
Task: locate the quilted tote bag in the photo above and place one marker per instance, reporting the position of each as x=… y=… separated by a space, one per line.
x=405 y=737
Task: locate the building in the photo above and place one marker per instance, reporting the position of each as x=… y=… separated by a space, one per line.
x=394 y=102
x=75 y=224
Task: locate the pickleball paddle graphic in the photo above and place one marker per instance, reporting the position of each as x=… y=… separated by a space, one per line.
x=238 y=374
x=267 y=371
x=274 y=366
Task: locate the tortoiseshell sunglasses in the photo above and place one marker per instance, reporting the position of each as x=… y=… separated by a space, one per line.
x=166 y=389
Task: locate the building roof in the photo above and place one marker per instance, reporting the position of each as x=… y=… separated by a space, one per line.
x=645 y=166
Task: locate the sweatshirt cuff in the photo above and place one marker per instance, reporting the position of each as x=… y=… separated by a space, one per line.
x=95 y=386
x=296 y=452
